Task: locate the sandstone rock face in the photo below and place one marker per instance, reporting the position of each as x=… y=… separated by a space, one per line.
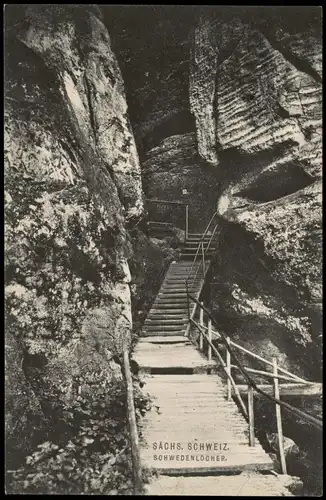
x=174 y=171
x=155 y=66
x=249 y=94
x=252 y=83
x=72 y=181
x=255 y=91
x=93 y=86
x=289 y=446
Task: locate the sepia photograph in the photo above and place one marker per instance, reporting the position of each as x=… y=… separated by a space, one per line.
x=163 y=250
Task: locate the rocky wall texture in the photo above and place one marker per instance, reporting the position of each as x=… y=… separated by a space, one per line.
x=226 y=111
x=255 y=91
x=155 y=66
x=174 y=171
x=245 y=135
x=72 y=185
x=239 y=127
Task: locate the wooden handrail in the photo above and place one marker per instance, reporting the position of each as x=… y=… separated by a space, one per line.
x=305 y=416
x=165 y=202
x=204 y=250
x=288 y=389
x=267 y=374
x=251 y=416
x=260 y=358
x=279 y=420
x=290 y=376
x=256 y=356
x=192 y=315
x=134 y=440
x=225 y=369
x=211 y=238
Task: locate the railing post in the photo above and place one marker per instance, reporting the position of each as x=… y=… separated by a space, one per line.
x=209 y=331
x=187 y=222
x=203 y=255
x=228 y=367
x=188 y=302
x=201 y=322
x=135 y=456
x=251 y=416
x=279 y=419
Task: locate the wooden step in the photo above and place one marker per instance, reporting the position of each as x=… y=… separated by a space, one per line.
x=197 y=240
x=173 y=303
x=165 y=319
x=186 y=252
x=173 y=293
x=176 y=311
x=194 y=246
x=176 y=279
x=162 y=333
x=168 y=315
x=190 y=399
x=207 y=417
x=183 y=276
x=179 y=288
x=178 y=306
x=163 y=306
x=160 y=316
x=238 y=463
x=178 y=285
x=162 y=322
x=180 y=272
x=166 y=303
x=182 y=267
x=165 y=327
x=246 y=484
x=171 y=297
x=173 y=278
x=208 y=235
x=165 y=340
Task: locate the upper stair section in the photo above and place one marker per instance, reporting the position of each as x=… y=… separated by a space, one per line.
x=190 y=248
x=170 y=311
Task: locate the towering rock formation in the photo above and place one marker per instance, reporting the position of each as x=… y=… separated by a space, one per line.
x=239 y=128
x=72 y=186
x=255 y=91
x=225 y=107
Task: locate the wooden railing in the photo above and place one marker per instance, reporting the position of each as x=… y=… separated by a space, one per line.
x=185 y=206
x=205 y=342
x=133 y=432
x=200 y=257
x=202 y=250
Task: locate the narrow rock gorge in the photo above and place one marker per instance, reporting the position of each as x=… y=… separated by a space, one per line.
x=106 y=107
x=231 y=118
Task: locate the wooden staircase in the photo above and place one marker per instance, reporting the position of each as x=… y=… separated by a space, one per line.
x=192 y=428
x=245 y=484
x=199 y=430
x=169 y=313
